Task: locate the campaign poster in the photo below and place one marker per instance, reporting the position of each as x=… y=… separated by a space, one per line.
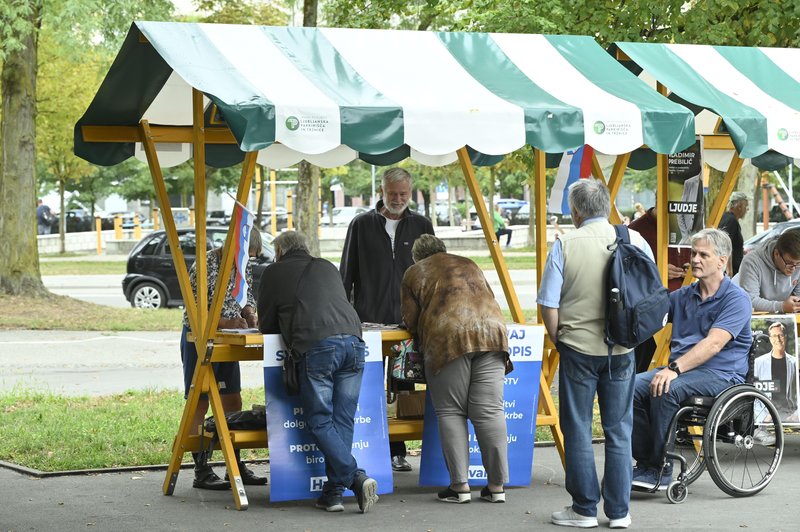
x=775 y=365
x=297 y=467
x=685 y=203
x=520 y=401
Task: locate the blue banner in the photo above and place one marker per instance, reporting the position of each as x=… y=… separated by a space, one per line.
x=521 y=397
x=297 y=468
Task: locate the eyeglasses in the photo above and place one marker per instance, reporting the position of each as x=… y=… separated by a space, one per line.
x=777 y=336
x=786 y=263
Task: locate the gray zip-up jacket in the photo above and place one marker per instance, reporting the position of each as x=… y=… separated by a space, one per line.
x=767 y=287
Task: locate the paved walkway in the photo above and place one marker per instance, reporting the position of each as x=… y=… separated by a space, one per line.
x=133 y=501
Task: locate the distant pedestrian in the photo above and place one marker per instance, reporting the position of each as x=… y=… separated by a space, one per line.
x=499 y=224
x=737 y=208
x=44 y=218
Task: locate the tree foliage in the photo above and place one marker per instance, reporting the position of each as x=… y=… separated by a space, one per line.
x=242 y=12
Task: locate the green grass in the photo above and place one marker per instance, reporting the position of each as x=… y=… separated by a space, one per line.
x=82 y=267
x=52 y=433
x=64 y=313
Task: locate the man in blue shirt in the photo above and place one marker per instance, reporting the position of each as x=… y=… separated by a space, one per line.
x=711 y=340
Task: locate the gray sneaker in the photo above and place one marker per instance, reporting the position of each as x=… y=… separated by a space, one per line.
x=331 y=502
x=366 y=490
x=569 y=517
x=620 y=522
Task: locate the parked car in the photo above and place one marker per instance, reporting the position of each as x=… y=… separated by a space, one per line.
x=778 y=229
x=107 y=221
x=152 y=281
x=218 y=218
x=281 y=217
x=510 y=206
x=76 y=221
x=342 y=216
x=521 y=216
x=443 y=217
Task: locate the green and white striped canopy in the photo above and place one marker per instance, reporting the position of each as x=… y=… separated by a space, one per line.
x=330 y=95
x=756 y=91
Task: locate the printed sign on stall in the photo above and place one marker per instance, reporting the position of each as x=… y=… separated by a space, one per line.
x=520 y=399
x=775 y=369
x=297 y=467
x=686 y=204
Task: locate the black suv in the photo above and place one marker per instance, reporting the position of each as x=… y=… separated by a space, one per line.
x=152 y=281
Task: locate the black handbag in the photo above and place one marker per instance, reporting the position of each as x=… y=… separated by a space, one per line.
x=291 y=362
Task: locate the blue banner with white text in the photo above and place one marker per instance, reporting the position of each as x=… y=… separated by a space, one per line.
x=520 y=401
x=297 y=468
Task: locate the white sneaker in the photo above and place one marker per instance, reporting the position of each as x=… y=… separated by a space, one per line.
x=762 y=437
x=622 y=522
x=568 y=517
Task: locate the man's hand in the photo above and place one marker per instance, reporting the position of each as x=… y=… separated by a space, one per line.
x=675 y=272
x=660 y=383
x=791 y=304
x=233 y=323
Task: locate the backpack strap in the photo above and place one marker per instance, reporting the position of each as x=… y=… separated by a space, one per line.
x=622 y=233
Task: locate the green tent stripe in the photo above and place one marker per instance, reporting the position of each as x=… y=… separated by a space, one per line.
x=747 y=127
x=550 y=124
x=250 y=114
x=371 y=122
x=765 y=74
x=663 y=130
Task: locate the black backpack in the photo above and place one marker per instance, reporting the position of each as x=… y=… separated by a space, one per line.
x=637 y=303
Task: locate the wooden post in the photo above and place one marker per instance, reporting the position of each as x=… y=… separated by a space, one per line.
x=137 y=228
x=118 y=227
x=289 y=206
x=98 y=225
x=156 y=221
x=273 y=198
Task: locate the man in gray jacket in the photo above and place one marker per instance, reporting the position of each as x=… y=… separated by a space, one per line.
x=770 y=274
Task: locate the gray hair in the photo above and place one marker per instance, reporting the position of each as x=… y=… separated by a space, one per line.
x=392 y=175
x=736 y=197
x=590 y=198
x=718 y=239
x=775 y=325
x=425 y=246
x=289 y=241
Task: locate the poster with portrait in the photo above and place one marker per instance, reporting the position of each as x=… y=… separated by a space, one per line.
x=775 y=369
x=685 y=203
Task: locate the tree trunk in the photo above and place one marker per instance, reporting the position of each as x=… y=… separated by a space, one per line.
x=308 y=176
x=19 y=254
x=62 y=219
x=307 y=206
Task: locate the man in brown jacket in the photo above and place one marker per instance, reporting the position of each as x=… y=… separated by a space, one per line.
x=450 y=309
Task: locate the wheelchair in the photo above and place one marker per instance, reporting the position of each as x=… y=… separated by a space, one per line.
x=737 y=436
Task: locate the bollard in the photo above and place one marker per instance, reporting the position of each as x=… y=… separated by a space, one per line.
x=137 y=228
x=155 y=218
x=118 y=227
x=98 y=225
x=191 y=216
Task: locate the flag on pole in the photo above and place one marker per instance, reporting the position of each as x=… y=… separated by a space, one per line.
x=241 y=246
x=575 y=164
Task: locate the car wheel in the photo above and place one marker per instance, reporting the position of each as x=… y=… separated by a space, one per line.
x=148 y=295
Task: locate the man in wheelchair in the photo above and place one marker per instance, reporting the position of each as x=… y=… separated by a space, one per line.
x=711 y=338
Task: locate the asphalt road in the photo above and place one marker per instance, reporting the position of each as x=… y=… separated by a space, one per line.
x=107 y=289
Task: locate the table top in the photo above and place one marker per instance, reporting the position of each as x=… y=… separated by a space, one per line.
x=388 y=334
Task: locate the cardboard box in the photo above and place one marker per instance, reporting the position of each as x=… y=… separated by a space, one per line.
x=411 y=405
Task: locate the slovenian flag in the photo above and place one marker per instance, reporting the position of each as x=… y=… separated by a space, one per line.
x=575 y=164
x=243 y=224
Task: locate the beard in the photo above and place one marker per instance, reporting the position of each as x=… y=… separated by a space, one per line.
x=396 y=209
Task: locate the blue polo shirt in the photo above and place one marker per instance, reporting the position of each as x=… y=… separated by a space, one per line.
x=692 y=319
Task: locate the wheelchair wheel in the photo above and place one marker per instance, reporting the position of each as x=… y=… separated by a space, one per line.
x=689 y=444
x=677 y=492
x=741 y=454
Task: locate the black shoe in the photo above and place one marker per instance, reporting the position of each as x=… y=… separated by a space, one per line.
x=332 y=502
x=399 y=463
x=366 y=490
x=249 y=478
x=449 y=495
x=206 y=479
x=493 y=496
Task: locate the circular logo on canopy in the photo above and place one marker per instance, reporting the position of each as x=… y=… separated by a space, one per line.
x=783 y=134
x=599 y=127
x=292 y=123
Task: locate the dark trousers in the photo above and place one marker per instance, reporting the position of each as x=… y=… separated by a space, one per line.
x=501 y=232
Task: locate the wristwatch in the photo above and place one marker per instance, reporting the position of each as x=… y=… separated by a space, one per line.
x=674 y=367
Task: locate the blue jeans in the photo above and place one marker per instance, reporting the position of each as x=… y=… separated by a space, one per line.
x=330 y=382
x=580 y=378
x=652 y=415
